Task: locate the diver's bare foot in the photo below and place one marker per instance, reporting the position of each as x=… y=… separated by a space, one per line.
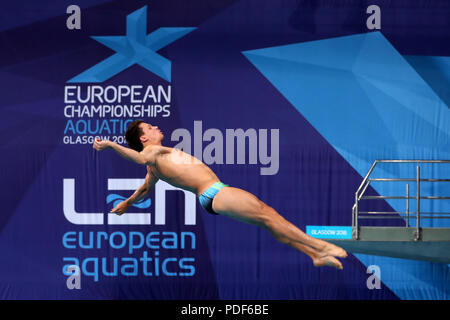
x=328 y=261
x=329 y=249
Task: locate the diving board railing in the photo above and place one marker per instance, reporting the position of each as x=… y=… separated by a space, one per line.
x=407 y=215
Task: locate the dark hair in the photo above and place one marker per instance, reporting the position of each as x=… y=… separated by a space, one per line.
x=133 y=134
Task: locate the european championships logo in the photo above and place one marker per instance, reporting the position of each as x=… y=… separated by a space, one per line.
x=136 y=47
x=96 y=109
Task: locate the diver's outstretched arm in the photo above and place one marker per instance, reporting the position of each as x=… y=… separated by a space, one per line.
x=145 y=157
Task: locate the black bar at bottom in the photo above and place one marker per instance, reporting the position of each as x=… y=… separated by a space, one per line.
x=237 y=309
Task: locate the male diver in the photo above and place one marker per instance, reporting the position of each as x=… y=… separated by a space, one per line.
x=187 y=172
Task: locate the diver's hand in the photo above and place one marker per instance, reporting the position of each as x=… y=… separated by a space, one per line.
x=100 y=145
x=121 y=208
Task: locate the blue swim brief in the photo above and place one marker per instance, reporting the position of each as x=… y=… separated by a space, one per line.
x=206 y=198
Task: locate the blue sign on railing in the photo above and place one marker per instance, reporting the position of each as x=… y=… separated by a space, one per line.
x=329 y=232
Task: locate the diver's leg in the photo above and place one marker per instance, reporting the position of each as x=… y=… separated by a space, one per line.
x=244 y=206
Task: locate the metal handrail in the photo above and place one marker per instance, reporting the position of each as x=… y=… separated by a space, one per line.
x=359 y=195
x=401 y=197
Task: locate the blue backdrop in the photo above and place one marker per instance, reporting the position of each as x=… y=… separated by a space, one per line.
x=319 y=95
